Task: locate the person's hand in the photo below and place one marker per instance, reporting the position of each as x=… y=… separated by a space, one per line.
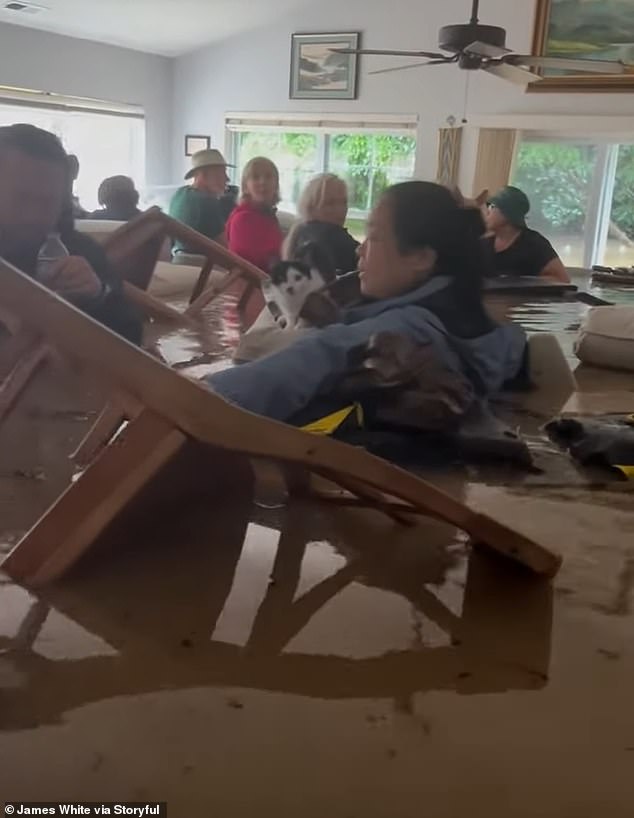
x=74 y=278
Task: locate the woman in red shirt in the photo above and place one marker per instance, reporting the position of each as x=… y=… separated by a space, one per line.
x=253 y=231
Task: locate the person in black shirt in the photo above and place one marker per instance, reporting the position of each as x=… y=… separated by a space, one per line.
x=35 y=201
x=118 y=198
x=514 y=249
x=323 y=207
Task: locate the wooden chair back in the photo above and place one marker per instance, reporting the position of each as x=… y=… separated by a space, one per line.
x=170 y=414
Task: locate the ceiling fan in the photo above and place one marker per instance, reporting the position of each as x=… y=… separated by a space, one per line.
x=473 y=47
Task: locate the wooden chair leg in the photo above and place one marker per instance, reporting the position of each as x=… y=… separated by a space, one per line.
x=213 y=292
x=203 y=278
x=86 y=508
x=152 y=307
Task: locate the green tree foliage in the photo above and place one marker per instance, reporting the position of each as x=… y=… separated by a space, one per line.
x=369 y=163
x=557 y=179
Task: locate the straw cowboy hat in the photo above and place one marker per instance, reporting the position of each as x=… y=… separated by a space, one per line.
x=207 y=159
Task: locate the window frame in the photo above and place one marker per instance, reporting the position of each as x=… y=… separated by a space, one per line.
x=324 y=126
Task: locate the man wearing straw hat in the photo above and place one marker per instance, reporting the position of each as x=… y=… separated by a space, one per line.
x=197 y=205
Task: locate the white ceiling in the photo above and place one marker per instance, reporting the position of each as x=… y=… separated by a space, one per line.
x=169 y=27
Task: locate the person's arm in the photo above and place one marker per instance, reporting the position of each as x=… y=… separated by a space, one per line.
x=544 y=259
x=282 y=384
x=86 y=279
x=555 y=271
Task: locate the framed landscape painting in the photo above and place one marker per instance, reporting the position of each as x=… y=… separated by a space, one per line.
x=588 y=29
x=318 y=73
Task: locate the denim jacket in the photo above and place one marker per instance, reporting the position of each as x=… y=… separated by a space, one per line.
x=281 y=385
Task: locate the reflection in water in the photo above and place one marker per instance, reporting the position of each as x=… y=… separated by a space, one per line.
x=238 y=612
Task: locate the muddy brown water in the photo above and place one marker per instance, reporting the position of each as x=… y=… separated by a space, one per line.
x=285 y=660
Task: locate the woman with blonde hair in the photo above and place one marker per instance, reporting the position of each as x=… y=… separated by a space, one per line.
x=322 y=208
x=253 y=231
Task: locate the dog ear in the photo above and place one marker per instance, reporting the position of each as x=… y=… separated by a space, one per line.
x=482 y=198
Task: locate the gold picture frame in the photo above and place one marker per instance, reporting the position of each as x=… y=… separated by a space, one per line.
x=598 y=83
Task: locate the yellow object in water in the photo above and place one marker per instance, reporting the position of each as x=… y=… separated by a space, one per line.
x=330 y=423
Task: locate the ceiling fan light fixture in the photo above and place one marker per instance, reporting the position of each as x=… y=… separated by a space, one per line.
x=457 y=38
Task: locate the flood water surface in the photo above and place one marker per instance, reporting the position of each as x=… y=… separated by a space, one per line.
x=260 y=658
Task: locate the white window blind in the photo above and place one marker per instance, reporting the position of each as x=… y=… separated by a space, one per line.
x=322 y=123
x=48 y=100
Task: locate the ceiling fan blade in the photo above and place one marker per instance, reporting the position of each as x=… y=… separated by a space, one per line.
x=566 y=64
x=484 y=50
x=512 y=73
x=431 y=55
x=410 y=65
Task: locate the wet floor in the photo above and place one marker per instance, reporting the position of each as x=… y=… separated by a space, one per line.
x=259 y=659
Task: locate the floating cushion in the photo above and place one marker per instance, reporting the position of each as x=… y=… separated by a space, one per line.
x=606 y=338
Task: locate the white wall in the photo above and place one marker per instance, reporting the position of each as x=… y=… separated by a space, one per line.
x=250 y=73
x=48 y=62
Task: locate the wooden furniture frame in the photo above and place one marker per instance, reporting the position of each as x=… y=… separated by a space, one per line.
x=172 y=412
x=134 y=250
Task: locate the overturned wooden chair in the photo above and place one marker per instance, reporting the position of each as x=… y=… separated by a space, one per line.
x=168 y=413
x=134 y=250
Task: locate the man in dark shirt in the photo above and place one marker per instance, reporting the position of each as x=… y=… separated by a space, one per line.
x=514 y=249
x=198 y=205
x=35 y=202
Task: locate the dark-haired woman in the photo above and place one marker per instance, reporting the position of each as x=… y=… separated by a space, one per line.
x=421 y=276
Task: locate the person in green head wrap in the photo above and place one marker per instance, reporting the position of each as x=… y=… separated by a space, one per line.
x=513 y=248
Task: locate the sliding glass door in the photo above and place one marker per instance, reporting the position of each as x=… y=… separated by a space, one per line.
x=582 y=198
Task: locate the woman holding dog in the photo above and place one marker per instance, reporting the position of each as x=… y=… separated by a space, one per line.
x=422 y=268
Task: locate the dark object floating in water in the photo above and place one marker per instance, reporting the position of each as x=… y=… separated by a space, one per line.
x=596 y=442
x=613 y=275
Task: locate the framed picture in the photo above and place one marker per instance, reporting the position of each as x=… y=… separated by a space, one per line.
x=193 y=144
x=600 y=29
x=318 y=73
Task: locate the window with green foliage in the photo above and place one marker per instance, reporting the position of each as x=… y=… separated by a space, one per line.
x=369 y=162
x=582 y=198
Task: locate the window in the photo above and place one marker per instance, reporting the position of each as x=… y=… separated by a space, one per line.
x=368 y=158
x=107 y=141
x=581 y=198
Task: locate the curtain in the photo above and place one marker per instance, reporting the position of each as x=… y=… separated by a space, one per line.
x=449 y=143
x=496 y=152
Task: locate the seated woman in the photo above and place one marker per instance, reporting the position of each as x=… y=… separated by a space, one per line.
x=253 y=231
x=322 y=209
x=514 y=249
x=421 y=275
x=118 y=198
